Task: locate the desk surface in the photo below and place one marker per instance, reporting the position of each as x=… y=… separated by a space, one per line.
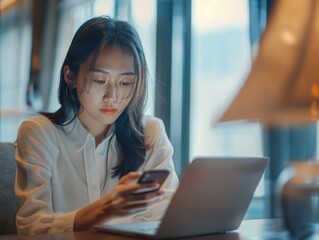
x=250 y=229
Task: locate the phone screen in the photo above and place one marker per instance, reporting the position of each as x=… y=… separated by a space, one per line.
x=152 y=176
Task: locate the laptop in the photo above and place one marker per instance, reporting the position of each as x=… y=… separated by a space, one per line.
x=212 y=197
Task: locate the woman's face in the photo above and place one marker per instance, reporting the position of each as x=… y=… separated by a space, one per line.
x=105 y=91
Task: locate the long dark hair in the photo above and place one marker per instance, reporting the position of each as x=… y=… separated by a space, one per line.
x=89 y=39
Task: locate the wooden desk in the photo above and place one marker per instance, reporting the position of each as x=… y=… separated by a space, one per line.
x=249 y=229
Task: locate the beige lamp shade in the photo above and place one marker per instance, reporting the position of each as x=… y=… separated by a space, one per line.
x=283 y=85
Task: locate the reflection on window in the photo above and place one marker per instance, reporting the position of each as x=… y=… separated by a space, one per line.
x=221 y=59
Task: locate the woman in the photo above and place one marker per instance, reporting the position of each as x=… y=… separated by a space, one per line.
x=78 y=166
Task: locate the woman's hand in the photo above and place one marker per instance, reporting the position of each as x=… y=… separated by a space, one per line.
x=120 y=202
x=124 y=202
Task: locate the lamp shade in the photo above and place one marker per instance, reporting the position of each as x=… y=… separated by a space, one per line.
x=283 y=84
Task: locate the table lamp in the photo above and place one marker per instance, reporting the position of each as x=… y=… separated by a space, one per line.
x=282 y=89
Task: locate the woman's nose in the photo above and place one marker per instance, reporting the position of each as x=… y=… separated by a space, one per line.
x=109 y=91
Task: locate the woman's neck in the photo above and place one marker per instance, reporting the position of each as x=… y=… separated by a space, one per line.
x=97 y=130
x=99 y=137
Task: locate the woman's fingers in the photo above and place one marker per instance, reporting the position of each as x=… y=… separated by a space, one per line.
x=145 y=196
x=124 y=199
x=147 y=201
x=144 y=199
x=130 y=201
x=128 y=178
x=130 y=188
x=140 y=205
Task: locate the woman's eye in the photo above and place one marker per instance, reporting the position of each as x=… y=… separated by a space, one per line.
x=124 y=84
x=98 y=81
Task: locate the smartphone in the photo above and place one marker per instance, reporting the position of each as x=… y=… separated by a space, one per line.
x=152 y=176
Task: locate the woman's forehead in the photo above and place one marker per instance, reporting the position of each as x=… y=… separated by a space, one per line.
x=114 y=58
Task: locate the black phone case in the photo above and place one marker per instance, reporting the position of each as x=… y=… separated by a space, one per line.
x=152 y=176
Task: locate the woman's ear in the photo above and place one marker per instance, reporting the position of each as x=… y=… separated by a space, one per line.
x=68 y=76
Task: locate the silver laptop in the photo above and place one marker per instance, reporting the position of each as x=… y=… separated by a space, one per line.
x=213 y=196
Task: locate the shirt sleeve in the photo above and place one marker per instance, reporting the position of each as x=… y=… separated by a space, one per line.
x=159 y=156
x=35 y=153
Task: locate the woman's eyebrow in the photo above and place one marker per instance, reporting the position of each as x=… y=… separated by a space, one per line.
x=107 y=72
x=100 y=71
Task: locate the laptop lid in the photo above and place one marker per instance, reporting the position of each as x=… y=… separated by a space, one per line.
x=213 y=196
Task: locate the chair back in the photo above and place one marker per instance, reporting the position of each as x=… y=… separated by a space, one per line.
x=9 y=204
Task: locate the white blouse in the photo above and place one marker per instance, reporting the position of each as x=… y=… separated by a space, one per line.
x=60 y=170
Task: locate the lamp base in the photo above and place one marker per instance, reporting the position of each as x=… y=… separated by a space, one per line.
x=298 y=191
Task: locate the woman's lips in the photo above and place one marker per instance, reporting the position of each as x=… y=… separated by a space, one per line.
x=108 y=111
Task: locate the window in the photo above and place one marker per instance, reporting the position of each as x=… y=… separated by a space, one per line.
x=221 y=59
x=145 y=24
x=15 y=64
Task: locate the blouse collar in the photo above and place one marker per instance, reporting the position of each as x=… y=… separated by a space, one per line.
x=79 y=136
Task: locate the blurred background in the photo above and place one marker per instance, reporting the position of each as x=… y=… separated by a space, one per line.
x=199 y=53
